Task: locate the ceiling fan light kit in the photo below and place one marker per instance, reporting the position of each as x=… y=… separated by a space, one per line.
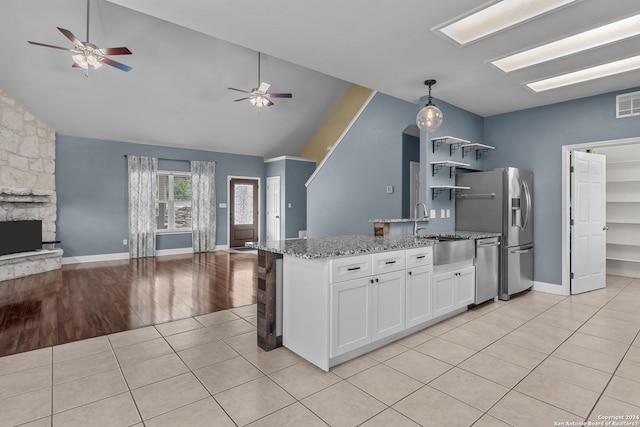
x=86 y=55
x=260 y=97
x=430 y=117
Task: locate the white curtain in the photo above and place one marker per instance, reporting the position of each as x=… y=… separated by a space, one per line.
x=203 y=205
x=142 y=206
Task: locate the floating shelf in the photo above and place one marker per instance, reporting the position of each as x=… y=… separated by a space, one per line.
x=436 y=166
x=453 y=143
x=481 y=149
x=437 y=189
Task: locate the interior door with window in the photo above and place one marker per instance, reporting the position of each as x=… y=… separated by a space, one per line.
x=243 y=211
x=273 y=208
x=588 y=216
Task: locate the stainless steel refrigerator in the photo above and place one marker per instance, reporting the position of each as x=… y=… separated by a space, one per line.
x=501 y=201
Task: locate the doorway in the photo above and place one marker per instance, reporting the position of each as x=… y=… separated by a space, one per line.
x=243 y=211
x=566 y=202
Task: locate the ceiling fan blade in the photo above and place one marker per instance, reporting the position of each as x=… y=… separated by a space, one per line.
x=264 y=87
x=49 y=45
x=280 y=95
x=239 y=90
x=68 y=34
x=241 y=99
x=115 y=51
x=113 y=63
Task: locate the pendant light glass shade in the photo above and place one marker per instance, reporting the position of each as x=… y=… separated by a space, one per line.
x=429 y=118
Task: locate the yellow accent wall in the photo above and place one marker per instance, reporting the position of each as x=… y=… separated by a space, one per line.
x=335 y=123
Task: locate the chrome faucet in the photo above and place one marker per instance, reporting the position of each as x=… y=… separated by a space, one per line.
x=416 y=228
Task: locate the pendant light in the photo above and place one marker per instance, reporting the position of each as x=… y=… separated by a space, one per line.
x=430 y=117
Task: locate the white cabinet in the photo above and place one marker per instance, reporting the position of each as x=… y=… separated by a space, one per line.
x=387 y=304
x=452 y=290
x=367 y=308
x=465 y=286
x=350 y=315
x=418 y=295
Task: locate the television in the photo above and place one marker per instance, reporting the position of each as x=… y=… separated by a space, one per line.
x=20 y=236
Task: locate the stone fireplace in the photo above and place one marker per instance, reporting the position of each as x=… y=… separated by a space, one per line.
x=27 y=185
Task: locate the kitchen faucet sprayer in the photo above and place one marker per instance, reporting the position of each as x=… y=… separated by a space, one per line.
x=416 y=228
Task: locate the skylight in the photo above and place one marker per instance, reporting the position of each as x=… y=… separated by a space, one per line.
x=606 y=34
x=592 y=73
x=497 y=17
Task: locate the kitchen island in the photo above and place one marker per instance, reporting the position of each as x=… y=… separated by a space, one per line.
x=345 y=296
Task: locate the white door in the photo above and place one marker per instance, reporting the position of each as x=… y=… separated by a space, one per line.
x=350 y=315
x=588 y=215
x=414 y=186
x=418 y=295
x=273 y=208
x=388 y=303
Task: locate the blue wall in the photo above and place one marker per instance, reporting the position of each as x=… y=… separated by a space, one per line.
x=410 y=153
x=350 y=188
x=297 y=174
x=532 y=139
x=458 y=123
x=293 y=175
x=91 y=185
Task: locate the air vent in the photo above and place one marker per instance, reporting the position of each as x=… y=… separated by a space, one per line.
x=628 y=104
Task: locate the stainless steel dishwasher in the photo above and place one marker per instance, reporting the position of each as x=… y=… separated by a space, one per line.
x=487 y=269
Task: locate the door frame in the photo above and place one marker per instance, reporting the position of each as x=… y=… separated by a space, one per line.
x=260 y=214
x=566 y=194
x=267 y=219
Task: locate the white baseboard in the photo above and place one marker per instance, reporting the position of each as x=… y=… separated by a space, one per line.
x=176 y=251
x=549 y=288
x=95 y=258
x=125 y=255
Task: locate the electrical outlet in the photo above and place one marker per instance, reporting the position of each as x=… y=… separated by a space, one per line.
x=448 y=213
x=432 y=214
x=441 y=213
x=389 y=189
x=289 y=205
x=124 y=242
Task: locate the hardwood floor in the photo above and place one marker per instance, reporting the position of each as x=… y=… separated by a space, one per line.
x=92 y=299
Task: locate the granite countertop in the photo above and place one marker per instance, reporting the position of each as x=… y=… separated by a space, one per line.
x=328 y=247
x=463 y=234
x=400 y=220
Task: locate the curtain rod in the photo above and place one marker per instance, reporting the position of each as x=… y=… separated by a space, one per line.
x=160 y=158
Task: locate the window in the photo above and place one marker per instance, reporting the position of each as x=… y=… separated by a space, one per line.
x=173 y=201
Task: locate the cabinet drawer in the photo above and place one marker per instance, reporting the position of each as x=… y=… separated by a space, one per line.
x=418 y=257
x=384 y=262
x=352 y=267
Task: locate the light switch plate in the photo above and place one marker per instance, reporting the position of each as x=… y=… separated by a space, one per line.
x=222 y=205
x=441 y=213
x=432 y=213
x=289 y=205
x=389 y=189
x=448 y=213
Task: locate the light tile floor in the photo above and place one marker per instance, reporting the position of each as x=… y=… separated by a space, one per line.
x=536 y=360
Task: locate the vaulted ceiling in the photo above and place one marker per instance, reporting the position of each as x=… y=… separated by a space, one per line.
x=186 y=54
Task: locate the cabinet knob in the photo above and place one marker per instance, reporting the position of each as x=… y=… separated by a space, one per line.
x=377 y=280
x=409 y=273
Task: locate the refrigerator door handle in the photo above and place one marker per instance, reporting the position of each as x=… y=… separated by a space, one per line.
x=522 y=251
x=527 y=211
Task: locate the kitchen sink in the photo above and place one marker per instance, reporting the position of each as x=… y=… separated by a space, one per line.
x=448 y=250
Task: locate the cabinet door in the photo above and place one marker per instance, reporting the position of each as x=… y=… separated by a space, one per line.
x=443 y=293
x=388 y=304
x=465 y=281
x=418 y=295
x=350 y=315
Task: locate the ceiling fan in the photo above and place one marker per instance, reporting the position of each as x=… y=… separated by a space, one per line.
x=87 y=54
x=259 y=96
